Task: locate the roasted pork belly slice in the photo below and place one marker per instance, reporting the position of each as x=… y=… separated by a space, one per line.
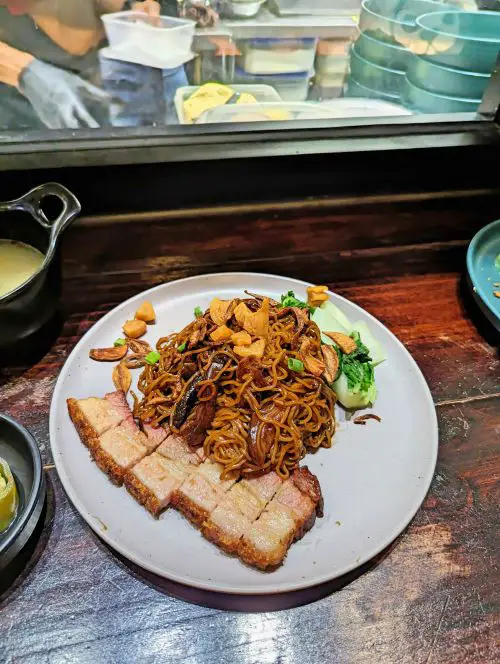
x=200 y=494
x=233 y=516
x=212 y=471
x=300 y=505
x=93 y=417
x=174 y=447
x=118 y=401
x=286 y=518
x=266 y=542
x=242 y=499
x=119 y=449
x=226 y=525
x=154 y=480
x=151 y=442
x=155 y=435
x=196 y=498
x=239 y=508
x=263 y=487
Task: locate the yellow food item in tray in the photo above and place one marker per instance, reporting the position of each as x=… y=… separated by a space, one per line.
x=212 y=95
x=8 y=496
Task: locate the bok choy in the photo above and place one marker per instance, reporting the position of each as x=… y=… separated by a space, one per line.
x=355 y=381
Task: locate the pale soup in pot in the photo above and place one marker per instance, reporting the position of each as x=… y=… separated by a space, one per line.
x=18 y=262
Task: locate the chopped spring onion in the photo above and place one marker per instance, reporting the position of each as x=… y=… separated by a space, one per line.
x=295 y=365
x=152 y=357
x=198 y=312
x=182 y=347
x=119 y=342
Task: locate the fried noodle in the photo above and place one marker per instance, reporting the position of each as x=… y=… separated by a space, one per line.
x=267 y=416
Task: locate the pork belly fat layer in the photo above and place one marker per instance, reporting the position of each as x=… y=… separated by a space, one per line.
x=92 y=417
x=118 y=401
x=153 y=481
x=173 y=447
x=236 y=512
x=263 y=487
x=286 y=518
x=119 y=449
x=300 y=505
x=266 y=542
x=200 y=494
x=225 y=527
x=155 y=435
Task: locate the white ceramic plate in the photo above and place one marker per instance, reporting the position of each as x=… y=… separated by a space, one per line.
x=374 y=478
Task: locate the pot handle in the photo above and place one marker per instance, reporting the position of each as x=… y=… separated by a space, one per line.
x=31 y=203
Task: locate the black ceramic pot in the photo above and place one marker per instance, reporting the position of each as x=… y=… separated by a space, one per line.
x=30 y=307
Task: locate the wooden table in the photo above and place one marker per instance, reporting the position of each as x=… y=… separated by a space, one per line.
x=431 y=597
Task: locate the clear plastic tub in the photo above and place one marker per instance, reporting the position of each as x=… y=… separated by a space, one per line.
x=263 y=93
x=277 y=56
x=315 y=7
x=290 y=87
x=365 y=108
x=275 y=112
x=167 y=41
x=281 y=112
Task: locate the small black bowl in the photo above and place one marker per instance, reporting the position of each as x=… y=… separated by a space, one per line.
x=19 y=449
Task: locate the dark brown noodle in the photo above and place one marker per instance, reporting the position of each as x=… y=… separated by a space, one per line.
x=288 y=412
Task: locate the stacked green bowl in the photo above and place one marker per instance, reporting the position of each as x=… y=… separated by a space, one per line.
x=380 y=57
x=452 y=61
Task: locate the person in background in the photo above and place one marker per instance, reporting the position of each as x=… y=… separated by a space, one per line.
x=49 y=66
x=143 y=95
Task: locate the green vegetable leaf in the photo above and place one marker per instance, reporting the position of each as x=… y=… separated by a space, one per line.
x=119 y=342
x=182 y=347
x=362 y=353
x=198 y=312
x=497 y=262
x=289 y=300
x=295 y=365
x=153 y=357
x=360 y=375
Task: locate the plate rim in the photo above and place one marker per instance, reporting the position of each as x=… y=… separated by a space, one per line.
x=477 y=287
x=368 y=554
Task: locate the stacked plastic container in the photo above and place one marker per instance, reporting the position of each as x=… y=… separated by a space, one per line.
x=332 y=60
x=285 y=64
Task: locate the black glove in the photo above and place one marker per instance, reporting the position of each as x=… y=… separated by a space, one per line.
x=58 y=96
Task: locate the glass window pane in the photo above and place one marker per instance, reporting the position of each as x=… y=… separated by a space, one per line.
x=70 y=64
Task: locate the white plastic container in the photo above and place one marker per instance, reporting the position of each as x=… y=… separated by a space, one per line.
x=283 y=111
x=275 y=112
x=332 y=56
x=364 y=108
x=263 y=93
x=290 y=87
x=240 y=8
x=277 y=56
x=165 y=41
x=315 y=7
x=329 y=86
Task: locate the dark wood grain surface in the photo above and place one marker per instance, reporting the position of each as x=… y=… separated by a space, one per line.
x=432 y=597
